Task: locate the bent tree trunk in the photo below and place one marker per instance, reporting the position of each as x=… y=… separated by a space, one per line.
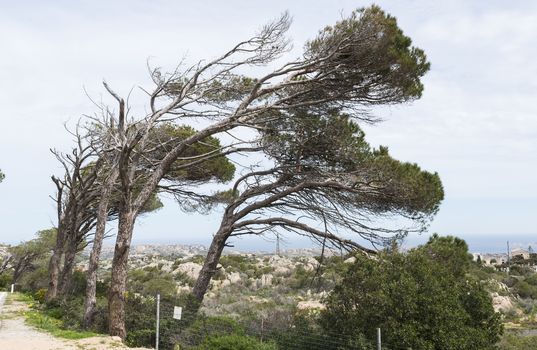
x=211 y=262
x=54 y=266
x=116 y=298
x=91 y=275
x=68 y=266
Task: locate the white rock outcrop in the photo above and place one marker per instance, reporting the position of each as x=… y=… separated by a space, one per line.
x=350 y=260
x=501 y=303
x=266 y=280
x=234 y=277
x=310 y=305
x=190 y=269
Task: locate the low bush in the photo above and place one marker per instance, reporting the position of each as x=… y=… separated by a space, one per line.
x=235 y=342
x=514 y=341
x=526 y=290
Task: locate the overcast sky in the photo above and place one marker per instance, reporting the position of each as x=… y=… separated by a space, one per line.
x=476 y=124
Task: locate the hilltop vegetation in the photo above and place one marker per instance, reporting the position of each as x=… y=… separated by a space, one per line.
x=289 y=302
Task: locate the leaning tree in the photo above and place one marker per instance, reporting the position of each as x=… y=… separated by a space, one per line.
x=75 y=196
x=327 y=183
x=361 y=61
x=161 y=138
x=27 y=256
x=79 y=194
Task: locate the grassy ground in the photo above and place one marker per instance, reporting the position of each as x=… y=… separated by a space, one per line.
x=53 y=326
x=512 y=340
x=36 y=318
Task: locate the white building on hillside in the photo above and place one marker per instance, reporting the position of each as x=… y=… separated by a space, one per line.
x=520 y=252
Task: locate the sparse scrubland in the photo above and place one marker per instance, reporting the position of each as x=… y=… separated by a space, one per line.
x=282 y=302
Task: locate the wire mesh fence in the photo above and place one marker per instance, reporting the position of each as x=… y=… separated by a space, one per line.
x=194 y=330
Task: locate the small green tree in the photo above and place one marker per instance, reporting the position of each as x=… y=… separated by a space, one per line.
x=28 y=260
x=2 y=176
x=420 y=300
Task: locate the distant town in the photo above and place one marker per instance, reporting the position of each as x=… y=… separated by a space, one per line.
x=517 y=256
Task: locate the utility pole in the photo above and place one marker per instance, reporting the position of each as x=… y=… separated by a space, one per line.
x=277 y=244
x=158 y=320
x=508 y=259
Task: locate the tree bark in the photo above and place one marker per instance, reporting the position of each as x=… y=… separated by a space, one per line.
x=20 y=267
x=91 y=275
x=68 y=265
x=54 y=266
x=211 y=262
x=116 y=298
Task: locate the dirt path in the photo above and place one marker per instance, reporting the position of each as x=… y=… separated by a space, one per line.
x=16 y=335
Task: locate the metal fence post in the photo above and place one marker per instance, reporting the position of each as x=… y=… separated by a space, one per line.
x=158 y=320
x=379 y=340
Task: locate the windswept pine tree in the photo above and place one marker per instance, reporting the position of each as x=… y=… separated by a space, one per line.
x=362 y=61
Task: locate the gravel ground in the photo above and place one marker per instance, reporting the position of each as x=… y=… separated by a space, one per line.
x=16 y=335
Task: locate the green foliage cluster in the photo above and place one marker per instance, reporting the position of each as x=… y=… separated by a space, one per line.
x=526 y=290
x=193 y=331
x=168 y=135
x=310 y=144
x=235 y=342
x=330 y=140
x=376 y=50
x=244 y=264
x=524 y=287
x=5 y=280
x=30 y=261
x=513 y=340
x=197 y=259
x=2 y=176
x=150 y=281
x=421 y=300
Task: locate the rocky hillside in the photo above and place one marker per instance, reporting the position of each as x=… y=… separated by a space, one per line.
x=294 y=279
x=266 y=281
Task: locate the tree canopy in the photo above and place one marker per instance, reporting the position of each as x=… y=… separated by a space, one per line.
x=420 y=299
x=26 y=256
x=324 y=173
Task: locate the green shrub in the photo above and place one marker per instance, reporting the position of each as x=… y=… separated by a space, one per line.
x=526 y=290
x=140 y=337
x=140 y=319
x=72 y=312
x=216 y=326
x=234 y=342
x=150 y=281
x=520 y=270
x=5 y=280
x=514 y=341
x=78 y=284
x=423 y=297
x=510 y=281
x=39 y=295
x=34 y=280
x=55 y=312
x=532 y=279
x=198 y=259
